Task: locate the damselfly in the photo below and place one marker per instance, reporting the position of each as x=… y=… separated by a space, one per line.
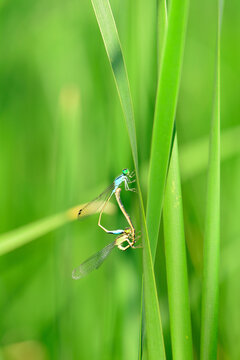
x=100 y=202
x=96 y=260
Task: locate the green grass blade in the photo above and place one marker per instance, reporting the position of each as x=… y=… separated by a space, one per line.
x=112 y=44
x=162 y=29
x=16 y=238
x=166 y=101
x=176 y=263
x=155 y=342
x=209 y=326
x=194 y=155
x=25 y=234
x=113 y=48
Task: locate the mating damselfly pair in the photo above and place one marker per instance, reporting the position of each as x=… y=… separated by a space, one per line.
x=127 y=236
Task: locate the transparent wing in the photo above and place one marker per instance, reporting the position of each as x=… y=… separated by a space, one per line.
x=94 y=262
x=97 y=204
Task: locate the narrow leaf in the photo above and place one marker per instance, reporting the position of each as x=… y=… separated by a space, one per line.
x=176 y=263
x=25 y=234
x=166 y=101
x=194 y=155
x=18 y=237
x=112 y=44
x=212 y=228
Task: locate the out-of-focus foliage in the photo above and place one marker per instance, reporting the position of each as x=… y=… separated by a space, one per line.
x=63 y=139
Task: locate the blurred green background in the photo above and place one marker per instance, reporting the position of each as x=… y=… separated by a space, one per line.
x=63 y=140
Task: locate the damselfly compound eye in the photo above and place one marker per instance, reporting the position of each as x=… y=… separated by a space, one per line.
x=126 y=172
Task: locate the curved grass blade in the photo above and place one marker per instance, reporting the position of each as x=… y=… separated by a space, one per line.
x=209 y=326
x=113 y=48
x=112 y=44
x=165 y=108
x=176 y=263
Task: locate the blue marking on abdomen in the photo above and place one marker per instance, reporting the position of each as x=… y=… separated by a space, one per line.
x=116 y=232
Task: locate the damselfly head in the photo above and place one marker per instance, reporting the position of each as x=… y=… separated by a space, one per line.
x=128 y=231
x=126 y=172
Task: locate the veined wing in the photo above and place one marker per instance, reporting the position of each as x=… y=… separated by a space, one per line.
x=94 y=262
x=97 y=204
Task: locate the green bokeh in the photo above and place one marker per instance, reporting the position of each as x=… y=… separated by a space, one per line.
x=63 y=139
